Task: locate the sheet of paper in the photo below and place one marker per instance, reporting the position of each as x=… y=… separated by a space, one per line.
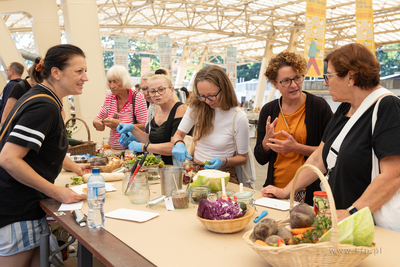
x=273 y=203
x=132 y=215
x=73 y=206
x=80 y=188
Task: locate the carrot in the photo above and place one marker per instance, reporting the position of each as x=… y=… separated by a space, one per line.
x=262 y=243
x=281 y=243
x=299 y=236
x=297 y=231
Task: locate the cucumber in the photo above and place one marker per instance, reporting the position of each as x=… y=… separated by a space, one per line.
x=74 y=142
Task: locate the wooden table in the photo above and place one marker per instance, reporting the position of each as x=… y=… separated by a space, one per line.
x=177 y=238
x=99 y=242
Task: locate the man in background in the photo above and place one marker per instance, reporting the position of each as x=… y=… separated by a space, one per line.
x=14 y=73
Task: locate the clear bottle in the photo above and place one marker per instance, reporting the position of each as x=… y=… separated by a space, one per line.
x=96 y=192
x=139 y=192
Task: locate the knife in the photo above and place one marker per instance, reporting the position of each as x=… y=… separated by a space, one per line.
x=262 y=215
x=136 y=170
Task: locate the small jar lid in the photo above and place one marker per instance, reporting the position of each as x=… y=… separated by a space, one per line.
x=244 y=194
x=320 y=194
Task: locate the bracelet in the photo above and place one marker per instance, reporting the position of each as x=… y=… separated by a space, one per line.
x=179 y=141
x=226 y=162
x=145 y=147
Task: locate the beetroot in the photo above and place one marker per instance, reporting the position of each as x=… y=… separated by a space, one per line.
x=302 y=216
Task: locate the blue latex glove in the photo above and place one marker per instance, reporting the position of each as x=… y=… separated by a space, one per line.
x=125 y=140
x=180 y=152
x=135 y=146
x=215 y=164
x=124 y=128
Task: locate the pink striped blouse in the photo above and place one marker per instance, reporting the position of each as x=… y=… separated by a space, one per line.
x=110 y=110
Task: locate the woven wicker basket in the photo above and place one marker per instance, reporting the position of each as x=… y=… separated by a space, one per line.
x=228 y=226
x=89 y=147
x=320 y=254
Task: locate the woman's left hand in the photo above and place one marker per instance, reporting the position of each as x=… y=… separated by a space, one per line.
x=283 y=146
x=215 y=164
x=342 y=214
x=136 y=146
x=84 y=168
x=112 y=123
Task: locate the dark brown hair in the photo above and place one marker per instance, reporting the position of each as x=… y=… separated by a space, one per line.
x=358 y=58
x=285 y=59
x=33 y=73
x=59 y=56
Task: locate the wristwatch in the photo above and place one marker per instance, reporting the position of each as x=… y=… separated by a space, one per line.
x=145 y=147
x=352 y=210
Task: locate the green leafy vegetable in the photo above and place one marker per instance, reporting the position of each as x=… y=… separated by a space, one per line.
x=149 y=161
x=77 y=180
x=357 y=229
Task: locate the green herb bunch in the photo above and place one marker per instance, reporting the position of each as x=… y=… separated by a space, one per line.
x=70 y=128
x=320 y=226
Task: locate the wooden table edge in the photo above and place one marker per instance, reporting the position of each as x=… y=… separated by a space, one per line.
x=114 y=253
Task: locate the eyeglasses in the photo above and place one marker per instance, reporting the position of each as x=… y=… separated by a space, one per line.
x=210 y=97
x=143 y=90
x=326 y=76
x=160 y=90
x=288 y=82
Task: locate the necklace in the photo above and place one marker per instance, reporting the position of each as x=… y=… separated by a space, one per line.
x=283 y=115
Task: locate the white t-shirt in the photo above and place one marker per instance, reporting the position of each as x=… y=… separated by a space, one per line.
x=220 y=142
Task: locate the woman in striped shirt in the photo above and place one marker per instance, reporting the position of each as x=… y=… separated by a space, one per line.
x=118 y=105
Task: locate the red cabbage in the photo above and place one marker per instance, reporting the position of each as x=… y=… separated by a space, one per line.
x=219 y=210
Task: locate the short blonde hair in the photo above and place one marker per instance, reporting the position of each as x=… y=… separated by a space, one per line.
x=119 y=72
x=148 y=75
x=161 y=76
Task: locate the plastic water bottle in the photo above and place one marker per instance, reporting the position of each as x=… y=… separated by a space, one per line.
x=96 y=191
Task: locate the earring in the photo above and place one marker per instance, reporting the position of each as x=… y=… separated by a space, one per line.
x=348 y=84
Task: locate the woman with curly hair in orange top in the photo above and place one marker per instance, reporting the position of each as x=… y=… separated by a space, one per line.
x=289 y=128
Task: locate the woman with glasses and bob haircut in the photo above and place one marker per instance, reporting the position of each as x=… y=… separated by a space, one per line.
x=352 y=76
x=167 y=116
x=212 y=108
x=290 y=128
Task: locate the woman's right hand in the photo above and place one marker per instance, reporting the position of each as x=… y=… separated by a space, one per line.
x=99 y=124
x=273 y=191
x=180 y=152
x=269 y=132
x=67 y=195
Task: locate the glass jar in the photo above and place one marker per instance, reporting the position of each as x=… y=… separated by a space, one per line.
x=321 y=202
x=188 y=171
x=127 y=176
x=106 y=143
x=196 y=194
x=153 y=173
x=139 y=192
x=229 y=194
x=129 y=154
x=180 y=198
x=245 y=197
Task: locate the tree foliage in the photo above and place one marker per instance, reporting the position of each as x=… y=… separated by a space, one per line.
x=390 y=60
x=135 y=59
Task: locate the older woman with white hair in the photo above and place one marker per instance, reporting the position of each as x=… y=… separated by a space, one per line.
x=122 y=104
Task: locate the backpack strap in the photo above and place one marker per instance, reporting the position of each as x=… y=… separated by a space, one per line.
x=4 y=129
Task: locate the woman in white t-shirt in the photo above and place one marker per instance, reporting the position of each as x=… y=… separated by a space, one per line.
x=212 y=108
